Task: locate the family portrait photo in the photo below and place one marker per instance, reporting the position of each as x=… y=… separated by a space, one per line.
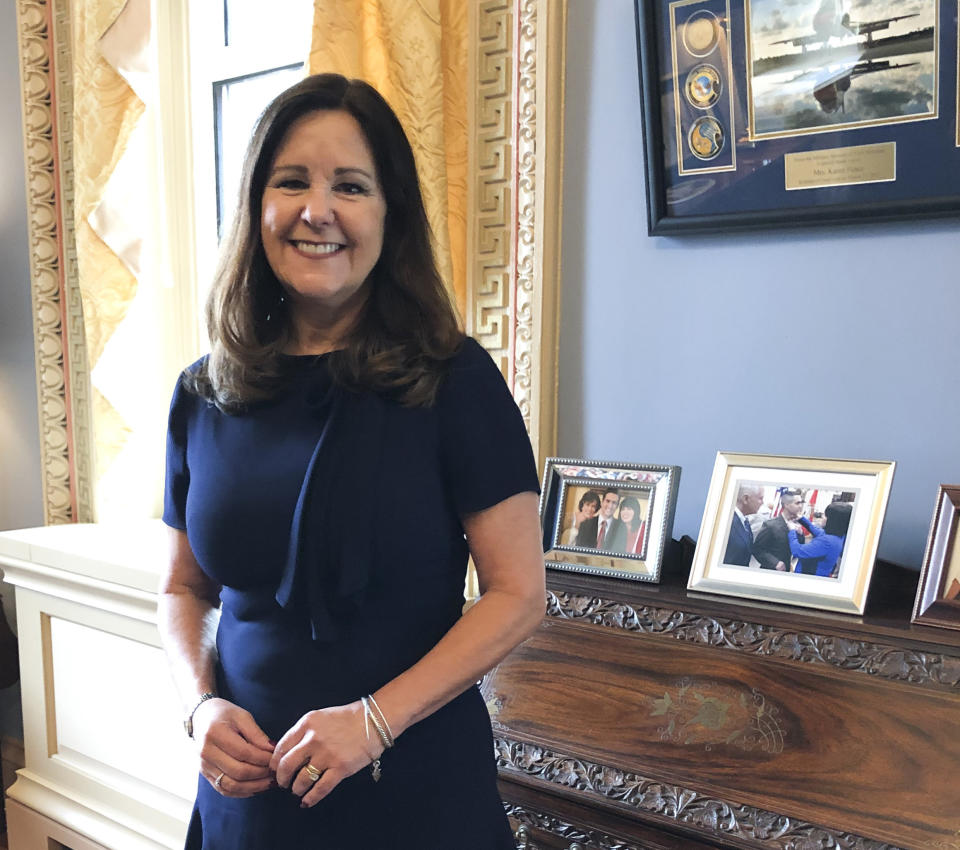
x=608 y=519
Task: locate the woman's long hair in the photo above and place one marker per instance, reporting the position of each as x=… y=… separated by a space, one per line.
x=408 y=328
x=631 y=502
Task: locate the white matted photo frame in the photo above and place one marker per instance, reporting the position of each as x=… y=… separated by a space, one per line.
x=796 y=530
x=938 y=594
x=607 y=518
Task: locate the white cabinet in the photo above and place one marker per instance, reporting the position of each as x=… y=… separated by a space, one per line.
x=106 y=758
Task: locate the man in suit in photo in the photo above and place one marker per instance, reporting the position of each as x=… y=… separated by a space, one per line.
x=740 y=541
x=772 y=546
x=604 y=531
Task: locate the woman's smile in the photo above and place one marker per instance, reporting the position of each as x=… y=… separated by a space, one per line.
x=323 y=215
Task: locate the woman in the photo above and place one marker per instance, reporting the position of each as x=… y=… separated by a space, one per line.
x=337 y=368
x=587 y=507
x=821 y=556
x=630 y=516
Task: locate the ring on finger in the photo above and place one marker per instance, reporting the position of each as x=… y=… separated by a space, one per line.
x=312 y=772
x=217 y=781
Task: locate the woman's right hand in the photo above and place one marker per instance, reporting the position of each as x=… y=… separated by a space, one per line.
x=233 y=749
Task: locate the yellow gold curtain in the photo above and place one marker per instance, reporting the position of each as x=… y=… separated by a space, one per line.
x=109 y=48
x=414 y=52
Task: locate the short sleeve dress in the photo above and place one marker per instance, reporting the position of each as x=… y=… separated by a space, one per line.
x=265 y=497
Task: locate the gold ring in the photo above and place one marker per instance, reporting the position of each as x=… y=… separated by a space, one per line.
x=312 y=772
x=217 y=781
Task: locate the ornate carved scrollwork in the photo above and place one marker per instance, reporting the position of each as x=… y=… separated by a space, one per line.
x=557 y=826
x=672 y=804
x=932 y=670
x=43 y=31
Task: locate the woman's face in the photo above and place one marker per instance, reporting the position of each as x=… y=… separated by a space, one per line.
x=323 y=213
x=627 y=514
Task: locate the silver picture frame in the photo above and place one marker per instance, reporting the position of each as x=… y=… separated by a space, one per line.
x=607 y=518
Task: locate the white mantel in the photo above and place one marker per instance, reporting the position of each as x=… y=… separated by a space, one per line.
x=105 y=753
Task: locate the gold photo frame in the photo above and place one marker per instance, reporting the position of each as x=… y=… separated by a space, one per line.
x=830 y=567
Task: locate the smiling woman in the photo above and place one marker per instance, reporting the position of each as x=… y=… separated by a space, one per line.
x=322 y=226
x=268 y=454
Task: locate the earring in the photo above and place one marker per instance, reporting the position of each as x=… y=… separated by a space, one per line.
x=280 y=302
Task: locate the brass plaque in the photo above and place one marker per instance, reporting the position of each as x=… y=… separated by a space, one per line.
x=841 y=166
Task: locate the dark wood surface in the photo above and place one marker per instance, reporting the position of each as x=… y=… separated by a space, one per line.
x=640 y=714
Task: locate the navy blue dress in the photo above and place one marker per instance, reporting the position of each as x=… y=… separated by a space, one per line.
x=236 y=485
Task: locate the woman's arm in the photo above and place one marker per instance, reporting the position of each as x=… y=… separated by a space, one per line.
x=505 y=543
x=231 y=743
x=816 y=548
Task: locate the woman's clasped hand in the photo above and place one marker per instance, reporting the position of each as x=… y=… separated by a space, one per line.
x=234 y=751
x=324 y=747
x=333 y=742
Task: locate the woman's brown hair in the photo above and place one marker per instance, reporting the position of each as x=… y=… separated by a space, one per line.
x=408 y=328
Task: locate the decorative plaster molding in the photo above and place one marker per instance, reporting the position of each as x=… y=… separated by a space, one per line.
x=491 y=278
x=62 y=382
x=672 y=804
x=513 y=211
x=932 y=670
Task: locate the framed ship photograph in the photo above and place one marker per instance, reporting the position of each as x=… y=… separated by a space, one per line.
x=607 y=518
x=796 y=530
x=760 y=112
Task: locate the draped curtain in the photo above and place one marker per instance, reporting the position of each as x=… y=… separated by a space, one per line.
x=414 y=52
x=112 y=214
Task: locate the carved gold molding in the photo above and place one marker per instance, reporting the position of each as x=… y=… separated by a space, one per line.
x=514 y=218
x=63 y=388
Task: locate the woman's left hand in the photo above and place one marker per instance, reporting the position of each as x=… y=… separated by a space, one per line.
x=333 y=741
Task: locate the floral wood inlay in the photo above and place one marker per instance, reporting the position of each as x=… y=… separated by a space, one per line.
x=672 y=804
x=886 y=662
x=709 y=714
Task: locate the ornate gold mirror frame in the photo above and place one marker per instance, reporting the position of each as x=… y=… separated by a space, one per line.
x=514 y=201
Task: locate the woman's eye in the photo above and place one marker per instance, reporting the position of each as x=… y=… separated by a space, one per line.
x=291 y=183
x=352 y=189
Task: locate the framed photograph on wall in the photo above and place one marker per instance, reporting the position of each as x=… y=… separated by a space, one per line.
x=607 y=518
x=802 y=531
x=760 y=112
x=938 y=594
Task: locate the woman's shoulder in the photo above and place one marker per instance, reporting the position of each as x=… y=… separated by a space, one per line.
x=472 y=355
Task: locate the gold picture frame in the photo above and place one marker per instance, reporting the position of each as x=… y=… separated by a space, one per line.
x=792 y=559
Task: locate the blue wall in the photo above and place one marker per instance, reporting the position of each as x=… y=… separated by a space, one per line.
x=826 y=343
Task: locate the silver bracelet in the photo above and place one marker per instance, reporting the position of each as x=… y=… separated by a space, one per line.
x=375 y=717
x=383 y=718
x=188 y=723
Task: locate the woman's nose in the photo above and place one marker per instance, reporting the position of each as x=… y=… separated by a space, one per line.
x=317 y=208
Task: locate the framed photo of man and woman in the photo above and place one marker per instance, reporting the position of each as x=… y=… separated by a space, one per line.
x=604 y=518
x=802 y=531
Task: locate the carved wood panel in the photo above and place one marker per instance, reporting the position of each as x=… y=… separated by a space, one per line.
x=763 y=752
